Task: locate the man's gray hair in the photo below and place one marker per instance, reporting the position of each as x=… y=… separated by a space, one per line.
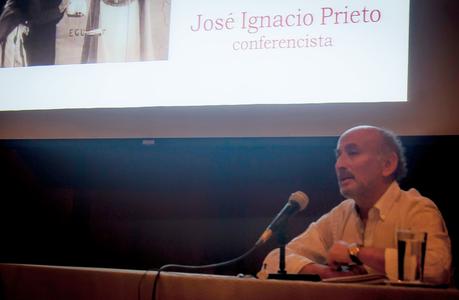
x=392 y=143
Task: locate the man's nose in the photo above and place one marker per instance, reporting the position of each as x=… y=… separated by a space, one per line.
x=340 y=162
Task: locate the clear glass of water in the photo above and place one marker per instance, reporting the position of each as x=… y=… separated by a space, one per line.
x=411 y=251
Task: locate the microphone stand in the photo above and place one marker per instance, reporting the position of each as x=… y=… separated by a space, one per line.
x=282 y=273
x=281 y=240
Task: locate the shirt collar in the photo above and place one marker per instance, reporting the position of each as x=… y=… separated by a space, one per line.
x=384 y=204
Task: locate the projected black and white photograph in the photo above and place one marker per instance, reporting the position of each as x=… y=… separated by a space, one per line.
x=57 y=32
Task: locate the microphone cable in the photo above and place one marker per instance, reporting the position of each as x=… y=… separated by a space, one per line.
x=178 y=267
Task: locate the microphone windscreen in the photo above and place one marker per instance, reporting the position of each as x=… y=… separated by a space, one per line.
x=301 y=198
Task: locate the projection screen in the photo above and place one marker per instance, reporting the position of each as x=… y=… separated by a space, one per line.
x=139 y=68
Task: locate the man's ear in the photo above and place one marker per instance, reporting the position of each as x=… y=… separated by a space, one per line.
x=390 y=163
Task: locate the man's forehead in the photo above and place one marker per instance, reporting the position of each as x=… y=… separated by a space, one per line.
x=360 y=137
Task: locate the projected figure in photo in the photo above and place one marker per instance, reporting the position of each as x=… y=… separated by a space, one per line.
x=12 y=34
x=48 y=32
x=28 y=31
x=126 y=31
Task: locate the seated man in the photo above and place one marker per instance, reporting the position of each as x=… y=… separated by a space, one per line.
x=361 y=229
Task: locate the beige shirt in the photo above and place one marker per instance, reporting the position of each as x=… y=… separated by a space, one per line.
x=396 y=209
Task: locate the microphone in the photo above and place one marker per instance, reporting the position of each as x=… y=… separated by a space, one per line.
x=296 y=202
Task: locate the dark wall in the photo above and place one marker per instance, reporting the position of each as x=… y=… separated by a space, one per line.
x=139 y=204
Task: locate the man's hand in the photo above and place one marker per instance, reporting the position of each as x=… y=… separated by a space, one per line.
x=339 y=255
x=328 y=272
x=373 y=257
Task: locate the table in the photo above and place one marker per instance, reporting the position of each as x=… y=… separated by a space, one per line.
x=20 y=281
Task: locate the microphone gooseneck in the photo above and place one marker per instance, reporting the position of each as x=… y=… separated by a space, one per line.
x=296 y=202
